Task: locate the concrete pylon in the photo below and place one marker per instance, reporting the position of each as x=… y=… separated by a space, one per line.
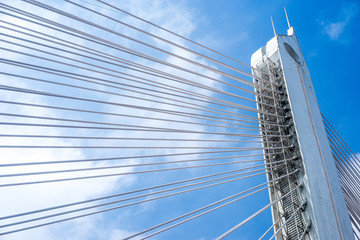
x=325 y=215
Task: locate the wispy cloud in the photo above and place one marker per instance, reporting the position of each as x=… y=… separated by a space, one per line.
x=169 y=15
x=172 y=16
x=335 y=28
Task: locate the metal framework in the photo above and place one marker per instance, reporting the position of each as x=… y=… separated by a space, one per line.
x=288 y=214
x=317 y=210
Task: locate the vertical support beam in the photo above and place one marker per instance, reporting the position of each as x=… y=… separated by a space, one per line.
x=288 y=214
x=326 y=205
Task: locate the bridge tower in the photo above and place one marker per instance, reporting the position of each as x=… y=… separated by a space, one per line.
x=312 y=199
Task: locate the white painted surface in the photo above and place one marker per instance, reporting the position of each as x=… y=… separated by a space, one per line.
x=326 y=204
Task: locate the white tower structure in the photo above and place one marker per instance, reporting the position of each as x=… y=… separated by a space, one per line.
x=313 y=206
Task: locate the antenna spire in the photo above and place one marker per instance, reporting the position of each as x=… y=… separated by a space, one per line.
x=272 y=22
x=287 y=18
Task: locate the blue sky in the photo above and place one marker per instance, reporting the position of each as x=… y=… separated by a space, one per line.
x=328 y=33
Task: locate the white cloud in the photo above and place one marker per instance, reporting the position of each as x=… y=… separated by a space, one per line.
x=334 y=29
x=171 y=15
x=118 y=234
